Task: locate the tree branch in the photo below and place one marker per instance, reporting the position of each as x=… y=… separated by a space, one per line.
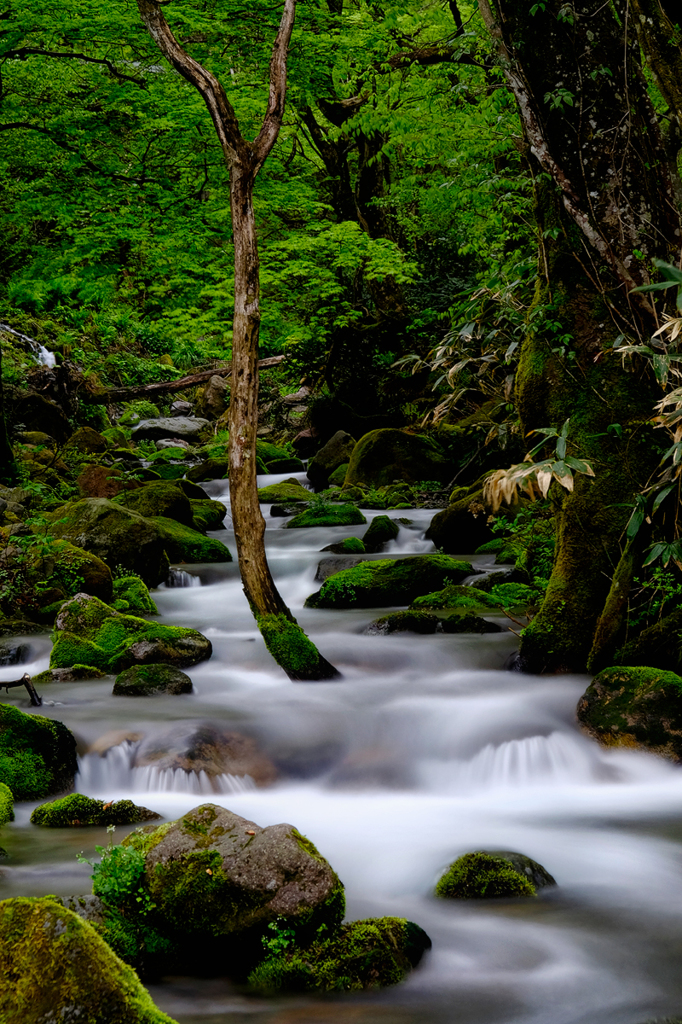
x=272 y=121
x=34 y=51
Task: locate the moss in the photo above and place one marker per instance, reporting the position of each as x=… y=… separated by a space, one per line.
x=183 y=544
x=90 y=633
x=388 y=581
x=379 y=532
x=293 y=650
x=660 y=645
x=383 y=456
x=405 y=622
x=611 y=622
x=6 y=804
x=146 y=680
x=158 y=498
x=75 y=673
x=635 y=706
x=57 y=967
x=208 y=514
x=211 y=469
x=492 y=547
x=269 y=452
x=76 y=809
x=285 y=491
x=369 y=954
x=483 y=876
x=130 y=594
x=327 y=515
x=457 y=597
x=37 y=755
x=338 y=476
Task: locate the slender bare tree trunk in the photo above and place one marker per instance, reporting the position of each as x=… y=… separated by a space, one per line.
x=284 y=638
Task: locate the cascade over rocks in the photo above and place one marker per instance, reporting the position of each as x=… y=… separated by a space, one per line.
x=205 y=747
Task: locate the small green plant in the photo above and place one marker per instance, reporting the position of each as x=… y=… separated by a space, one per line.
x=281 y=939
x=118 y=878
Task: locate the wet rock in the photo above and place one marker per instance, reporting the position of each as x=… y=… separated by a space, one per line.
x=333 y=454
x=180 y=408
x=88 y=632
x=379 y=532
x=37 y=755
x=185 y=427
x=329 y=566
x=211 y=469
x=13 y=652
x=41 y=939
x=326 y=515
x=146 y=680
x=635 y=707
x=172 y=442
x=369 y=954
x=205 y=747
x=530 y=869
x=462 y=527
x=183 y=544
x=79 y=811
x=113 y=738
x=286 y=491
x=208 y=514
x=384 y=456
x=492 y=875
x=388 y=581
x=74 y=674
x=213 y=398
x=159 y=498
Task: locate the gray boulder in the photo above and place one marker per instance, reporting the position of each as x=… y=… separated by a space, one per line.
x=214 y=398
x=185 y=427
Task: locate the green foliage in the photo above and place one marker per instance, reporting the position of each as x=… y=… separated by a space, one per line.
x=118 y=878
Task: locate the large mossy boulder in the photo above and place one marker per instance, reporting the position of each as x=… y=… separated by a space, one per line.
x=37 y=755
x=115 y=534
x=77 y=810
x=64 y=569
x=6 y=804
x=285 y=491
x=147 y=680
x=87 y=441
x=183 y=544
x=395 y=581
x=331 y=455
x=208 y=514
x=635 y=707
x=88 y=632
x=492 y=875
x=215 y=876
x=158 y=498
x=324 y=514
x=57 y=968
x=210 y=469
x=383 y=456
x=462 y=527
x=368 y=954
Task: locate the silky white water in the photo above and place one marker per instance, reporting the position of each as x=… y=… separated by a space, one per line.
x=424 y=750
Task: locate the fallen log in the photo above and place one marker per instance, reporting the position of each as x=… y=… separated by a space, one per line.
x=165 y=387
x=36 y=700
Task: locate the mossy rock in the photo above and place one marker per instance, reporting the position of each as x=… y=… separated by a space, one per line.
x=68 y=569
x=349 y=546
x=404 y=622
x=218 y=878
x=15 y=626
x=285 y=491
x=327 y=515
x=383 y=456
x=131 y=595
x=458 y=598
x=659 y=645
x=338 y=477
x=269 y=452
x=37 y=755
x=379 y=532
x=356 y=494
x=388 y=581
x=76 y=811
x=115 y=534
x=183 y=544
x=463 y=527
x=492 y=547
x=6 y=804
x=208 y=514
x=61 y=969
x=369 y=954
x=146 y=680
x=158 y=498
x=635 y=707
x=116 y=437
x=479 y=876
x=87 y=441
x=469 y=624
x=211 y=469
x=170 y=473
x=73 y=674
x=88 y=632
x=335 y=453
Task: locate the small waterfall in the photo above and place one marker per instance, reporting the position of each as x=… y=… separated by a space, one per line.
x=114 y=772
x=46 y=357
x=43 y=355
x=180 y=578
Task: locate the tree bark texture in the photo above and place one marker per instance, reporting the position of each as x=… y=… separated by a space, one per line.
x=285 y=639
x=605 y=206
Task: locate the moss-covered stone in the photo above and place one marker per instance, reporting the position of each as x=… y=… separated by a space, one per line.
x=349 y=546
x=57 y=967
x=158 y=498
x=116 y=437
x=331 y=455
x=405 y=622
x=635 y=707
x=131 y=595
x=324 y=514
x=369 y=954
x=115 y=534
x=478 y=876
x=183 y=544
x=379 y=532
x=146 y=680
x=463 y=527
x=88 y=632
x=74 y=674
x=293 y=650
x=37 y=755
x=660 y=645
x=6 y=804
x=284 y=492
x=208 y=514
x=388 y=581
x=87 y=441
x=338 y=477
x=211 y=469
x=458 y=598
x=77 y=810
x=383 y=456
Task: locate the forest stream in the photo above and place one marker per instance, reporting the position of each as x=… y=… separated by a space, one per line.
x=425 y=749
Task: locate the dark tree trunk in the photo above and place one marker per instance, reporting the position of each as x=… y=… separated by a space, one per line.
x=603 y=195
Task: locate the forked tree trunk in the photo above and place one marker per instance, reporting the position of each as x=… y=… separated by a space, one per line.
x=284 y=638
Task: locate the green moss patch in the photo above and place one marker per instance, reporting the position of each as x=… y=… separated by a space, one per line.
x=285 y=491
x=324 y=514
x=147 y=680
x=37 y=755
x=478 y=876
x=293 y=650
x=183 y=544
x=131 y=595
x=6 y=804
x=78 y=810
x=388 y=581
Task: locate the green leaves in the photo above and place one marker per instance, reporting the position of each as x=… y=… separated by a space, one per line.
x=672 y=278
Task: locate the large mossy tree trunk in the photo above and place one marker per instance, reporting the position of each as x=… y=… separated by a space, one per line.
x=284 y=638
x=605 y=205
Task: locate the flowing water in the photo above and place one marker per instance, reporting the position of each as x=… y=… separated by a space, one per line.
x=426 y=749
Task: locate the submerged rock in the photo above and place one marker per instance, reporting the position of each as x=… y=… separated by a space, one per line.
x=368 y=954
x=77 y=810
x=388 y=581
x=37 y=755
x=635 y=707
x=62 y=970
x=492 y=875
x=88 y=632
x=383 y=456
x=206 y=747
x=146 y=680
